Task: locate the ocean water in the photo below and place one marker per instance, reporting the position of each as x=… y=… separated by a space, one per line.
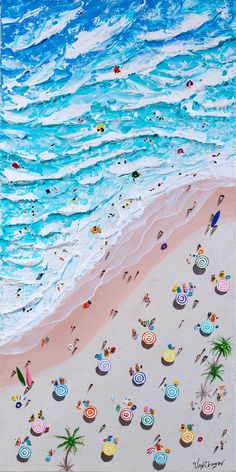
x=105 y=105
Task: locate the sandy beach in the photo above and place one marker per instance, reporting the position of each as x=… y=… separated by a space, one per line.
x=159 y=270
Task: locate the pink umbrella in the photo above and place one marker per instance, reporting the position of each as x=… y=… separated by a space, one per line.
x=28 y=377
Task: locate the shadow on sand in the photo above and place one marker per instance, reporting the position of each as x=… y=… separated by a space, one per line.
x=56 y=397
x=177 y=306
x=198 y=271
x=106 y=458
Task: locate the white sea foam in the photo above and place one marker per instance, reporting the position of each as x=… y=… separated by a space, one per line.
x=93 y=40
x=190 y=23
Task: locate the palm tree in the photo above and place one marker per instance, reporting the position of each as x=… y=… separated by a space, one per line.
x=221 y=347
x=213 y=372
x=203 y=392
x=70 y=444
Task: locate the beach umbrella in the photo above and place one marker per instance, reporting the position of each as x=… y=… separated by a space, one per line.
x=215 y=219
x=90 y=412
x=109 y=449
x=20 y=376
x=28 y=378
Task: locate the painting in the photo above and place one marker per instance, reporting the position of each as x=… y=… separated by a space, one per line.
x=117 y=236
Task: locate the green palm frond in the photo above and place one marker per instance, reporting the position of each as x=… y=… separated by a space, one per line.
x=221 y=346
x=214 y=371
x=62 y=437
x=71 y=441
x=65 y=445
x=75 y=431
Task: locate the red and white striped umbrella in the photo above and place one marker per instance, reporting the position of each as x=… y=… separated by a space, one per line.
x=126 y=414
x=90 y=412
x=149 y=338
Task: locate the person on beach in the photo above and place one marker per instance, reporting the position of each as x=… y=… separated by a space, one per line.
x=191 y=209
x=129 y=279
x=125 y=273
x=102 y=273
x=146 y=299
x=163 y=380
x=107 y=255
x=111 y=312
x=159 y=234
x=27 y=363
x=220 y=199
x=180 y=324
x=72 y=328
x=188 y=188
x=114 y=314
x=90 y=386
x=13 y=373
x=179 y=351
x=103 y=345
x=136 y=275
x=204 y=359
x=102 y=428
x=74 y=350
x=195 y=303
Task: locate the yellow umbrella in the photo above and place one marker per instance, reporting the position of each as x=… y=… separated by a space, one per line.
x=109 y=449
x=169 y=355
x=187 y=437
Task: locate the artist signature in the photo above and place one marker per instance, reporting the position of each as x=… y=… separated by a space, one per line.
x=200 y=464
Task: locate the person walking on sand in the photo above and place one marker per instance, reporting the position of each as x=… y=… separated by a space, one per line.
x=220 y=199
x=160 y=234
x=136 y=275
x=195 y=303
x=114 y=314
x=74 y=350
x=163 y=380
x=111 y=312
x=179 y=351
x=90 y=386
x=146 y=299
x=72 y=327
x=180 y=324
x=107 y=255
x=102 y=428
x=27 y=363
x=103 y=344
x=129 y=279
x=125 y=273
x=102 y=273
x=191 y=209
x=204 y=359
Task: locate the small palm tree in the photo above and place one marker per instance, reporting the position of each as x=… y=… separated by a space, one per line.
x=221 y=347
x=203 y=393
x=70 y=444
x=214 y=371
